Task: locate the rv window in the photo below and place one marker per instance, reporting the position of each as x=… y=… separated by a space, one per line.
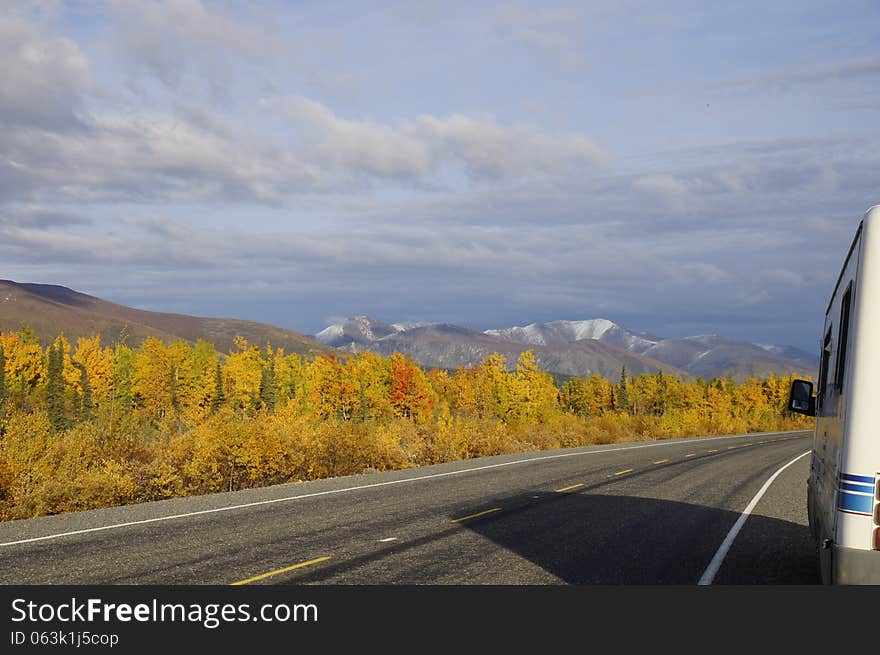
x=842 y=338
x=823 y=368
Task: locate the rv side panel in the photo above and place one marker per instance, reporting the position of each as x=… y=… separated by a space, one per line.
x=862 y=451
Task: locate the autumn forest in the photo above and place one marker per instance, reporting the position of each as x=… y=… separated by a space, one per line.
x=89 y=425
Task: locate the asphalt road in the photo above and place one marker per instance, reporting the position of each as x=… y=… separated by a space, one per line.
x=640 y=513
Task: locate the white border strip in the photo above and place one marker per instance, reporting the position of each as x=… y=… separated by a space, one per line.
x=365 y=486
x=711 y=570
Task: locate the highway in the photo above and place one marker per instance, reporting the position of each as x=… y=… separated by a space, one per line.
x=630 y=513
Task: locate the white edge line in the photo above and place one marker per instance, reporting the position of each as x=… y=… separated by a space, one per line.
x=711 y=570
x=346 y=489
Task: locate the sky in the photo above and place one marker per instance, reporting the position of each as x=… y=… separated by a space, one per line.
x=678 y=167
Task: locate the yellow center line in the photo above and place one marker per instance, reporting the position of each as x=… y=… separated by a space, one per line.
x=624 y=472
x=279 y=571
x=691 y=455
x=732 y=447
x=473 y=516
x=661 y=461
x=570 y=487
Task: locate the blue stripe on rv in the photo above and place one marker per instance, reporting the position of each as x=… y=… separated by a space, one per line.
x=849 y=477
x=862 y=488
x=855 y=503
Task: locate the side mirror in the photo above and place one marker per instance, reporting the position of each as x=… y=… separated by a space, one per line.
x=800 y=398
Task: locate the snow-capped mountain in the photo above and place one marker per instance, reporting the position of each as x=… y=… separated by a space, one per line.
x=568 y=347
x=442 y=345
x=557 y=332
x=358 y=330
x=706 y=355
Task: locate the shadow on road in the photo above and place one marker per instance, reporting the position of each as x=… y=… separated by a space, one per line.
x=588 y=537
x=605 y=539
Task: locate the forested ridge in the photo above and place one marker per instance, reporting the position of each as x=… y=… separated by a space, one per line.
x=86 y=425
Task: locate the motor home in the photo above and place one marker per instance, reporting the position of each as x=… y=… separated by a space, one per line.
x=842 y=489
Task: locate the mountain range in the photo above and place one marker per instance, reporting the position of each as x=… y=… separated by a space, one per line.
x=564 y=348
x=571 y=348
x=50 y=310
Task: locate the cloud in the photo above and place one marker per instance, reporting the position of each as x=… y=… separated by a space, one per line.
x=146 y=157
x=423 y=146
x=490 y=150
x=355 y=146
x=178 y=41
x=113 y=250
x=40 y=218
x=674 y=192
x=783 y=277
x=160 y=156
x=74 y=142
x=44 y=78
x=761 y=184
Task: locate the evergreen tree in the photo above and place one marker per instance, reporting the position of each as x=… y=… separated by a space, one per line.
x=55 y=388
x=622 y=394
x=267 y=386
x=73 y=407
x=86 y=403
x=219 y=397
x=122 y=372
x=363 y=408
x=28 y=336
x=172 y=387
x=661 y=393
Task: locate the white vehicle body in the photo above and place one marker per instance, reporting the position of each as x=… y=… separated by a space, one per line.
x=842 y=490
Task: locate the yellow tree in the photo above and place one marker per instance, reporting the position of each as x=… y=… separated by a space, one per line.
x=25 y=364
x=330 y=394
x=598 y=394
x=69 y=371
x=494 y=392
x=290 y=378
x=196 y=380
x=440 y=382
x=536 y=395
x=462 y=391
x=719 y=407
x=574 y=397
x=368 y=377
x=98 y=363
x=749 y=402
x=180 y=380
x=244 y=372
x=674 y=393
x=151 y=373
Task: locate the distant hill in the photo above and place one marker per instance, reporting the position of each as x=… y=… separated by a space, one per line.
x=808 y=359
x=706 y=356
x=570 y=348
x=451 y=346
x=49 y=310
